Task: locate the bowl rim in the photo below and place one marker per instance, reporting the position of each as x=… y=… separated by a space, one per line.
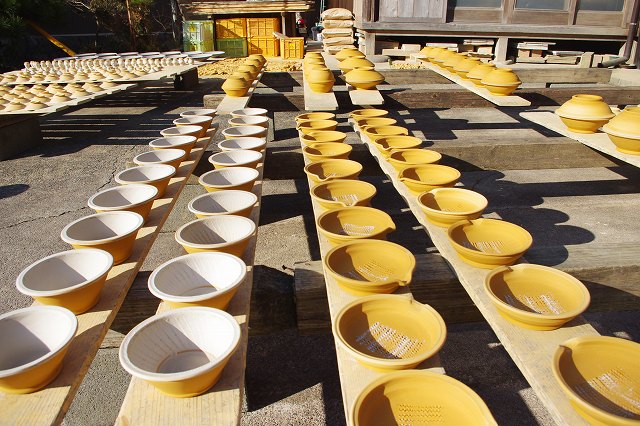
x=202 y=178
x=298 y=118
x=577 y=285
x=182 y=241
x=186 y=140
x=252 y=111
x=151 y=282
x=193 y=210
x=91 y=202
x=435 y=191
x=68 y=338
x=439 y=343
x=392 y=160
x=136 y=371
x=252 y=130
x=354 y=209
x=337 y=145
x=443 y=167
x=260 y=118
x=477 y=222
x=22 y=288
x=119 y=179
x=198 y=119
x=327 y=123
x=306 y=141
x=258 y=141
x=69 y=240
x=169 y=151
x=250 y=157
x=607 y=129
x=186 y=113
x=190 y=128
x=320 y=163
x=319 y=186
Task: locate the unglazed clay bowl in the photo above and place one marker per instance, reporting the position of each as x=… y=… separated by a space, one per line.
x=217 y=203
x=185 y=143
x=323 y=136
x=72 y=279
x=170 y=156
x=227 y=233
x=114 y=232
x=39 y=338
x=157 y=175
x=186 y=130
x=387 y=144
x=240 y=178
x=374 y=133
x=363 y=329
x=624 y=130
x=488 y=243
x=244 y=131
x=360 y=114
x=327 y=151
x=251 y=143
x=402 y=158
x=200 y=279
x=585 y=113
x=364 y=267
x=445 y=206
x=203 y=121
x=181 y=352
x=306 y=127
x=340 y=193
x=501 y=82
x=376 y=122
x=136 y=198
x=315 y=116
x=236 y=158
x=536 y=297
x=322 y=171
x=426 y=177
x=352 y=223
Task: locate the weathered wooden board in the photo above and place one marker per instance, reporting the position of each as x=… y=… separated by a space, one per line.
x=353 y=376
x=49 y=405
x=598 y=141
x=230 y=103
x=318 y=101
x=222 y=404
x=365 y=97
x=531 y=351
x=506 y=101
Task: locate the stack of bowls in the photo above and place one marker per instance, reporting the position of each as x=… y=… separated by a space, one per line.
x=624 y=130
x=318 y=76
x=585 y=113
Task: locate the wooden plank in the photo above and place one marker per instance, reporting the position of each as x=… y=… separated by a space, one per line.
x=220 y=405
x=365 y=97
x=318 y=101
x=353 y=375
x=49 y=405
x=598 y=141
x=230 y=103
x=507 y=101
x=531 y=351
x=560 y=75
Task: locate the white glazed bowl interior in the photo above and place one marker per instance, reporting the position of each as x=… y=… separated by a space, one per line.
x=211 y=112
x=250 y=120
x=121 y=197
x=215 y=231
x=197 y=276
x=242 y=143
x=240 y=131
x=35 y=334
x=230 y=176
x=63 y=272
x=235 y=157
x=159 y=156
x=145 y=174
x=180 y=130
x=179 y=344
x=249 y=111
x=172 y=142
x=222 y=202
x=197 y=120
x=101 y=227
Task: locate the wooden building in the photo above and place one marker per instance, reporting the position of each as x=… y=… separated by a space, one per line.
x=604 y=20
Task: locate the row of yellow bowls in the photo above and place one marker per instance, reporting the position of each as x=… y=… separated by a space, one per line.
x=239 y=83
x=383 y=332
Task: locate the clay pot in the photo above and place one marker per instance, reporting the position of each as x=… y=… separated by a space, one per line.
x=244 y=74
x=624 y=130
x=466 y=65
x=476 y=74
x=350 y=63
x=255 y=62
x=364 y=78
x=585 y=113
x=252 y=69
x=320 y=80
x=452 y=61
x=442 y=56
x=501 y=82
x=235 y=87
x=257 y=57
x=350 y=52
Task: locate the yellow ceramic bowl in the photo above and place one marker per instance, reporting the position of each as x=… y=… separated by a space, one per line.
x=488 y=243
x=228 y=234
x=203 y=121
x=387 y=144
x=600 y=375
x=585 y=113
x=72 y=279
x=416 y=397
x=315 y=116
x=536 y=297
x=236 y=158
x=230 y=201
x=500 y=90
x=426 y=177
x=186 y=143
x=184 y=130
x=323 y=136
x=353 y=223
x=170 y=157
x=157 y=175
x=446 y=206
x=137 y=198
x=114 y=232
x=402 y=158
x=375 y=122
x=181 y=352
x=307 y=127
x=343 y=193
x=360 y=114
x=234 y=132
x=326 y=170
x=627 y=144
x=624 y=130
x=389 y=332
x=38 y=338
x=199 y=279
x=364 y=267
x=374 y=133
x=327 y=151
